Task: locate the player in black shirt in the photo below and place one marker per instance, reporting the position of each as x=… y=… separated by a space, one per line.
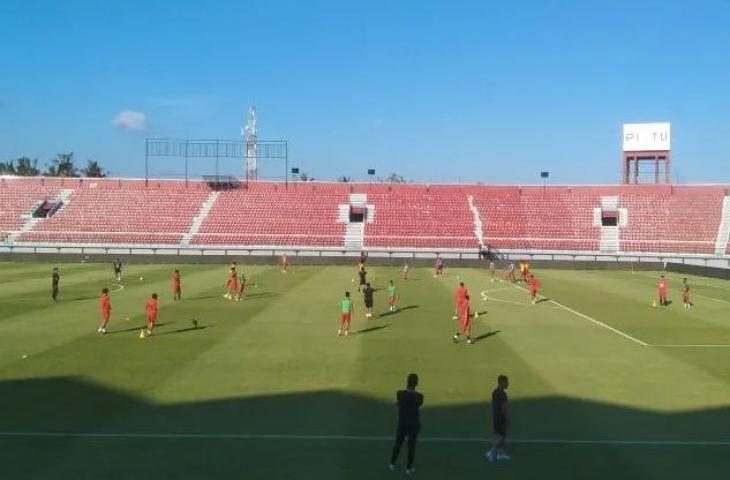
x=362 y=273
x=500 y=420
x=118 y=270
x=367 y=294
x=409 y=402
x=55 y=278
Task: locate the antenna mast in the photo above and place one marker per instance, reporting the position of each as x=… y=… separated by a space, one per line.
x=251 y=167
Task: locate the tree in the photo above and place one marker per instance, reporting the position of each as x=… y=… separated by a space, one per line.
x=344 y=179
x=27 y=167
x=93 y=169
x=396 y=178
x=63 y=166
x=7 y=168
x=304 y=176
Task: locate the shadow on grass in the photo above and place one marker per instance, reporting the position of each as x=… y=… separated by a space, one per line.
x=370 y=329
x=341 y=434
x=484 y=336
x=542 y=300
x=182 y=330
x=397 y=310
x=134 y=329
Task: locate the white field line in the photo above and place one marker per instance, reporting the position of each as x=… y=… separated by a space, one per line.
x=362 y=438
x=695 y=345
x=626 y=335
x=486 y=298
x=590 y=319
x=693 y=293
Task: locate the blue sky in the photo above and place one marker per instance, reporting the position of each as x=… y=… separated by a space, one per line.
x=437 y=91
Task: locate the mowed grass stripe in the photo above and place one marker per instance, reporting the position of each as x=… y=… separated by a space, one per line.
x=31 y=328
x=266 y=337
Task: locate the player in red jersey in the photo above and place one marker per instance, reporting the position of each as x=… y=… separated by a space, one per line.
x=151 y=310
x=176 y=285
x=232 y=285
x=464 y=315
x=662 y=291
x=106 y=311
x=534 y=286
x=461 y=294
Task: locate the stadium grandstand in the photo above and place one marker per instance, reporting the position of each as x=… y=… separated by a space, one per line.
x=621 y=219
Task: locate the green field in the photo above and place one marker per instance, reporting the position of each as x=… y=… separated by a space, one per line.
x=602 y=384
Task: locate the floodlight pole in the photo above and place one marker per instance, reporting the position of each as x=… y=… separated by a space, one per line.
x=146 y=162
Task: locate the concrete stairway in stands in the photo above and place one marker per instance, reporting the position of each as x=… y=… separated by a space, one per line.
x=723 y=230
x=199 y=218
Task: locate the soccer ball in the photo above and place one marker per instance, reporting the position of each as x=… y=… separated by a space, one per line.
x=353 y=280
x=140 y=279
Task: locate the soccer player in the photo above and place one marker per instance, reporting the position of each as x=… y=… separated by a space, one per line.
x=362 y=273
x=533 y=285
x=231 y=285
x=242 y=287
x=151 y=310
x=176 y=285
x=117 y=269
x=367 y=294
x=55 y=278
x=662 y=291
x=106 y=311
x=500 y=420
x=345 y=315
x=404 y=271
x=284 y=263
x=462 y=310
x=392 y=296
x=492 y=270
x=409 y=402
x=685 y=294
x=510 y=272
x=527 y=271
x=438 y=269
x=461 y=293
x=523 y=271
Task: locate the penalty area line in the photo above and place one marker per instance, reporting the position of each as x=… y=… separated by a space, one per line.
x=591 y=319
x=361 y=438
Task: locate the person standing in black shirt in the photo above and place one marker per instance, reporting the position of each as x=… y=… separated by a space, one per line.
x=500 y=420
x=368 y=298
x=409 y=402
x=55 y=278
x=362 y=273
x=118 y=270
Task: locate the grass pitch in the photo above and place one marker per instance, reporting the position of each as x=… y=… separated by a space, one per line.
x=603 y=385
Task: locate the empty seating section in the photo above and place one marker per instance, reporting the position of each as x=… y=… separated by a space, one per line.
x=268 y=216
x=16 y=201
x=420 y=219
x=686 y=221
x=121 y=216
x=537 y=219
x=661 y=219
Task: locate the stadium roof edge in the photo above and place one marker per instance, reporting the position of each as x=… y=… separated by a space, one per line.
x=366 y=183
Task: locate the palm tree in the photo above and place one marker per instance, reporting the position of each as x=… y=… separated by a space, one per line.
x=396 y=178
x=7 y=168
x=93 y=169
x=27 y=167
x=63 y=166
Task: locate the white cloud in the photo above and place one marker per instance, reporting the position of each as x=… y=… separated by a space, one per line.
x=130 y=121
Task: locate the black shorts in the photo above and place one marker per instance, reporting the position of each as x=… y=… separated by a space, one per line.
x=500 y=428
x=368 y=304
